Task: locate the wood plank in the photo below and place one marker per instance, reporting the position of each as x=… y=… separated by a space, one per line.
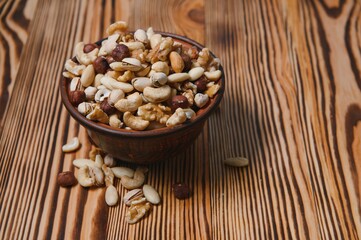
x=293 y=109
x=47 y=211
x=15 y=17
x=292 y=106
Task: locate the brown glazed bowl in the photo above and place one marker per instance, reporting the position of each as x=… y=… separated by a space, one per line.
x=149 y=146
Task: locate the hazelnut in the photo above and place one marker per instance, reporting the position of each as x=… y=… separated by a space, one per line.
x=66 y=179
x=120 y=51
x=76 y=97
x=89 y=47
x=201 y=84
x=179 y=101
x=181 y=190
x=110 y=59
x=106 y=107
x=100 y=65
x=187 y=62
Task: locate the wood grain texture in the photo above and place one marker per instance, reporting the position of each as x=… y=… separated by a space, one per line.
x=15 y=17
x=292 y=106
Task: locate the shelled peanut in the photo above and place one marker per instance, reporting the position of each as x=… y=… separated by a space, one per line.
x=101 y=171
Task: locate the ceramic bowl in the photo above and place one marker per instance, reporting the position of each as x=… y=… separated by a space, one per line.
x=149 y=146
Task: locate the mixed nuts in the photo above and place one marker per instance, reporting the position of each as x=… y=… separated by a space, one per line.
x=134 y=80
x=100 y=169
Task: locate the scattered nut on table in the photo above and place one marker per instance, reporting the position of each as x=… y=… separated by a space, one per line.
x=71 y=146
x=66 y=179
x=98 y=171
x=151 y=194
x=137 y=180
x=113 y=81
x=181 y=190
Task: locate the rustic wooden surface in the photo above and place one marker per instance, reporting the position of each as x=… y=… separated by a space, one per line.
x=292 y=106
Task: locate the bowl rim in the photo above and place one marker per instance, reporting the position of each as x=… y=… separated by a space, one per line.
x=105 y=129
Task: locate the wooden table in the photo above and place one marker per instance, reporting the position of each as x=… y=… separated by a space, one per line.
x=292 y=107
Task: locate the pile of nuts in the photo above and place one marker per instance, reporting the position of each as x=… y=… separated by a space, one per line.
x=98 y=171
x=141 y=81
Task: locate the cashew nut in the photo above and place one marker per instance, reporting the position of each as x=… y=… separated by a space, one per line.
x=140 y=83
x=135 y=123
x=74 y=68
x=84 y=178
x=126 y=77
x=85 y=58
x=178 y=117
x=118 y=27
x=213 y=76
x=131 y=103
x=120 y=172
x=157 y=95
x=135 y=182
x=109 y=160
x=112 y=84
x=101 y=94
x=82 y=162
x=201 y=99
x=111 y=196
x=71 y=146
